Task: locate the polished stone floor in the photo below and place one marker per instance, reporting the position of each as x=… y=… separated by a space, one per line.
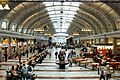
x=49 y=70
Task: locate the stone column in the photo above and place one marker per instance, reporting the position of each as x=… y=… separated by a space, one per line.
x=114 y=45
x=16 y=47
x=27 y=46
x=0 y=49
x=9 y=48
x=94 y=41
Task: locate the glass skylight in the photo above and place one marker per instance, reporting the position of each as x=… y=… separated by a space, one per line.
x=61 y=14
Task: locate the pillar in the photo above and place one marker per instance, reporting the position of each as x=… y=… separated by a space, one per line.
x=16 y=47
x=94 y=41
x=27 y=46
x=0 y=49
x=114 y=45
x=9 y=48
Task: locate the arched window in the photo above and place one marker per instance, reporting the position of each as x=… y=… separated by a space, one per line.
x=13 y=27
x=20 y=29
x=4 y=25
x=25 y=30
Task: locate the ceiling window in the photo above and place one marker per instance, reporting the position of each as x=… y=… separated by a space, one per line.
x=61 y=14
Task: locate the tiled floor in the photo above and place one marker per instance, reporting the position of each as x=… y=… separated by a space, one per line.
x=48 y=70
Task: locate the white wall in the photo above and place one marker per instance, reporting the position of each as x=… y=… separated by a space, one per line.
x=59 y=39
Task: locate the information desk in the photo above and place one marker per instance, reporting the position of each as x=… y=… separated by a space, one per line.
x=61 y=64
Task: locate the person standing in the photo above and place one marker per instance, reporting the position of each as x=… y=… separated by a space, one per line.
x=61 y=57
x=27 y=52
x=12 y=53
x=102 y=75
x=3 y=53
x=108 y=72
x=66 y=53
x=19 y=54
x=70 y=59
x=49 y=54
x=61 y=54
x=24 y=72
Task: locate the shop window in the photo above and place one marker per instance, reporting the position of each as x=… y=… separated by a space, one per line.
x=4 y=25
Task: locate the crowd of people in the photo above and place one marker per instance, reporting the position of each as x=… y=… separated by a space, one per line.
x=24 y=70
x=64 y=54
x=104 y=61
x=21 y=71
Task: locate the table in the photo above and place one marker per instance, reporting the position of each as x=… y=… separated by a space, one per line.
x=94 y=65
x=87 y=62
x=80 y=60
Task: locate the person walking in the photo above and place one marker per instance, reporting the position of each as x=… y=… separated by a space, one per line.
x=49 y=54
x=102 y=75
x=56 y=54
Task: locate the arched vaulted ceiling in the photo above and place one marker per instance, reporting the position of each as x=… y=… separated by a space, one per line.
x=99 y=17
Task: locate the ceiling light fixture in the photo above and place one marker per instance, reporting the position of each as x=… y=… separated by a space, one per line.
x=85 y=29
x=39 y=30
x=76 y=34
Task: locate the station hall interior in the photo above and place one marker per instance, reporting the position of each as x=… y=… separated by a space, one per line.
x=59 y=40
